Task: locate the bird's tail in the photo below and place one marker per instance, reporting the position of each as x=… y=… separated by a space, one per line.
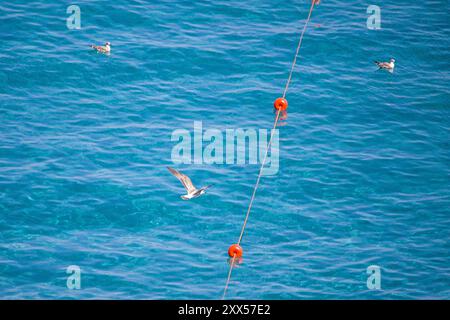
x=207 y=186
x=377 y=62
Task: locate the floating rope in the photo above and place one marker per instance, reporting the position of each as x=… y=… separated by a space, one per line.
x=235 y=250
x=298 y=48
x=251 y=202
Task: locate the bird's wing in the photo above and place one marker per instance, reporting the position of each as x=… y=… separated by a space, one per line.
x=185 y=180
x=382 y=64
x=98 y=48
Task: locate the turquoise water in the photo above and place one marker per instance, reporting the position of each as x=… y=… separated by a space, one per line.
x=85 y=140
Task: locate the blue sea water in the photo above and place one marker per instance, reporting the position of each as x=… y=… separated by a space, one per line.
x=85 y=139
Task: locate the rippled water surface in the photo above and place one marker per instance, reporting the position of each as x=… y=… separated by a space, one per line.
x=85 y=139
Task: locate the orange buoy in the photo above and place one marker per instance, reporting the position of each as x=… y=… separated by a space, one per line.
x=235 y=250
x=280 y=104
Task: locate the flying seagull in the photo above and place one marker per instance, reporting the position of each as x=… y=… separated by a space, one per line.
x=102 y=49
x=386 y=65
x=192 y=192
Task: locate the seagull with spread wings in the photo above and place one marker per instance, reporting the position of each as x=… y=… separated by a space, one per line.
x=192 y=191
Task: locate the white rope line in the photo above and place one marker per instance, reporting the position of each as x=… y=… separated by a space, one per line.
x=229 y=276
x=267 y=150
x=251 y=202
x=259 y=176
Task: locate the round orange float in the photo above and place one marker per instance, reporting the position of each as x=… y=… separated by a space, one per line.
x=235 y=250
x=280 y=104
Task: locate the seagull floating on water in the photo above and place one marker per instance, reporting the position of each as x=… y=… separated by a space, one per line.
x=102 y=49
x=386 y=65
x=192 y=192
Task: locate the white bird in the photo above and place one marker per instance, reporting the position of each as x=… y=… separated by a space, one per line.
x=386 y=65
x=102 y=49
x=192 y=191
